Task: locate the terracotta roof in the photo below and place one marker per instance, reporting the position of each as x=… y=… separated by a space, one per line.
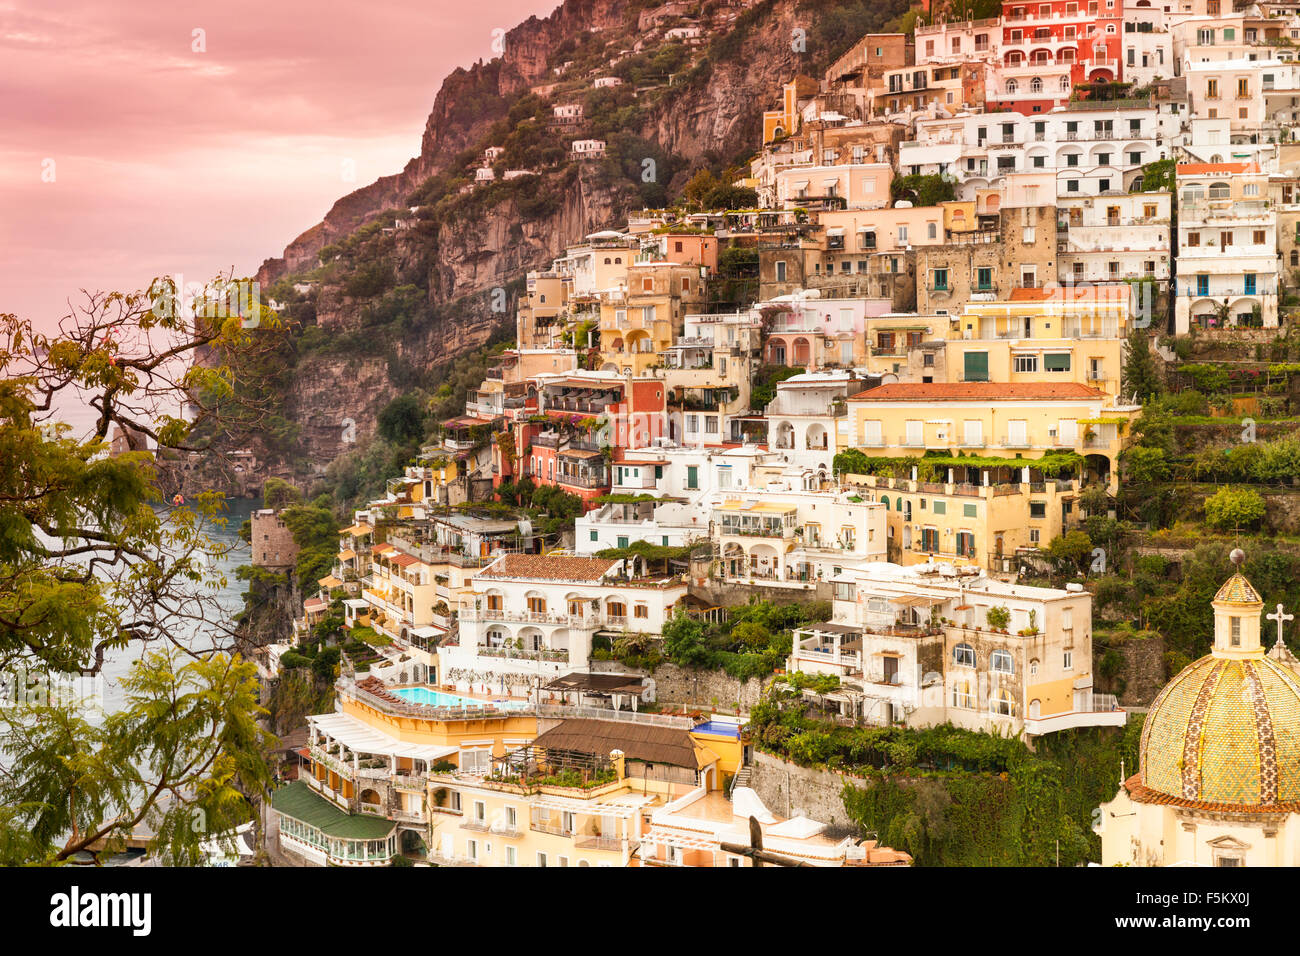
x=403 y=560
x=1201 y=169
x=1095 y=292
x=1144 y=794
x=548 y=567
x=637 y=741
x=382 y=548
x=976 y=392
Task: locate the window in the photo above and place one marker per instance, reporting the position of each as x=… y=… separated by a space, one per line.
x=961 y=695
x=1026 y=363
x=541 y=859
x=1002 y=662
x=1193 y=239
x=1212 y=89
x=1001 y=703
x=511 y=859
x=1038 y=509
x=969 y=511
x=1033 y=667
x=1259 y=237
x=1056 y=361
x=963 y=655
x=940 y=279
x=976 y=366
x=1236 y=632
x=1067 y=660
x=983 y=279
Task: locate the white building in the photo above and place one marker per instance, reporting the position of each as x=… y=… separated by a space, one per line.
x=532 y=618
x=1227 y=247
x=589 y=148
x=916 y=646
x=1113 y=237
x=803 y=417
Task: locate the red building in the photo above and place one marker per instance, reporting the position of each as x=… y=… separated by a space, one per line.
x=587 y=414
x=1049 y=47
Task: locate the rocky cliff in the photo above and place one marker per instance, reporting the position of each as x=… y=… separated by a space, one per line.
x=466 y=244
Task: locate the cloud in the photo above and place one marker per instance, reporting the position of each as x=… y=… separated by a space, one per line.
x=207 y=136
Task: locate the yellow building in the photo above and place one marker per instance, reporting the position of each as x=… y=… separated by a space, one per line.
x=640 y=323
x=989 y=419
x=1218 y=781
x=780 y=123
x=1058 y=335
x=965 y=523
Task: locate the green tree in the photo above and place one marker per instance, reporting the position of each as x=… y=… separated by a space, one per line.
x=684 y=642
x=1229 y=509
x=1139 y=376
x=95 y=556
x=1070 y=551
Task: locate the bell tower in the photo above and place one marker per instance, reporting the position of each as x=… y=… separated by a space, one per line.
x=1237 y=609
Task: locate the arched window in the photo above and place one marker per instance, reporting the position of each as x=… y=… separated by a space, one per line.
x=1002 y=662
x=1036 y=85
x=1012 y=86
x=1065 y=84
x=884 y=500
x=1033 y=667
x=1295 y=258
x=963 y=655
x=1219 y=190
x=1001 y=703
x=931 y=231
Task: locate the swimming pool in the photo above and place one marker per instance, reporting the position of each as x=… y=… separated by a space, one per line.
x=436 y=698
x=720 y=727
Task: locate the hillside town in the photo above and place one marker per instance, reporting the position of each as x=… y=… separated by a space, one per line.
x=887 y=388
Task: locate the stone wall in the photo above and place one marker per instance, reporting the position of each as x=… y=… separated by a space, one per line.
x=788 y=789
x=679 y=685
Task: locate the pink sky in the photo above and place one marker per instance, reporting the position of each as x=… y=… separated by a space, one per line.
x=167 y=160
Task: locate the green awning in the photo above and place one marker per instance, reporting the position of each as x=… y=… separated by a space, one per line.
x=299 y=801
x=1056 y=361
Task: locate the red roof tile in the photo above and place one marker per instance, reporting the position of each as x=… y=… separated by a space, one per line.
x=1144 y=794
x=977 y=392
x=1201 y=169
x=548 y=567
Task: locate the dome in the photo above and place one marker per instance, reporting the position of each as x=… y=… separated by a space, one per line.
x=1225 y=731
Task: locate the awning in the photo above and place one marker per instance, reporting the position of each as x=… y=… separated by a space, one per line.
x=363 y=738
x=835 y=231
x=800 y=185
x=831 y=182
x=347 y=554
x=356 y=529
x=917 y=600
x=330 y=581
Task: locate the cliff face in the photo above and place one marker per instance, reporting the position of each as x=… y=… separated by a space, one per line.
x=708 y=116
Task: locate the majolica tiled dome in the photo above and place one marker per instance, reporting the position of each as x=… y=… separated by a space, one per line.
x=1226 y=730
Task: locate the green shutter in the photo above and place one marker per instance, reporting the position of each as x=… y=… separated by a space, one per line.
x=595 y=536
x=1056 y=362
x=977 y=367
x=659 y=471
x=941 y=507
x=969 y=511
x=622 y=542
x=692 y=476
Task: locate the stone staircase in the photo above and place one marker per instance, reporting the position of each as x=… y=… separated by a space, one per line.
x=741 y=779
